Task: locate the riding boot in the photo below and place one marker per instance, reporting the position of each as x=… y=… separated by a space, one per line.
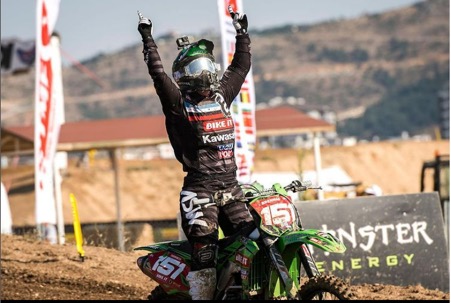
x=202 y=284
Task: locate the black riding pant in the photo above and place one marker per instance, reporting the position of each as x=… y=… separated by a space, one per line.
x=200 y=222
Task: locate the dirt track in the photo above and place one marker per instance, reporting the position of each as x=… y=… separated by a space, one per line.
x=34 y=270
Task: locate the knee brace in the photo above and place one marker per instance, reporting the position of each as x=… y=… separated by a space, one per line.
x=204 y=256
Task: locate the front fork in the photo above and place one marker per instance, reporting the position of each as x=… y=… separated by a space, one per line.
x=282 y=270
x=307 y=261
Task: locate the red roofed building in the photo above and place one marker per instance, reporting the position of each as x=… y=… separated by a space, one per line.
x=150 y=131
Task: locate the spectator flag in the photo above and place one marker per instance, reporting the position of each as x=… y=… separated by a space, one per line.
x=47 y=122
x=243 y=107
x=17 y=55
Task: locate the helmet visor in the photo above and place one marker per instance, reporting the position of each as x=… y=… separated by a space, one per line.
x=196 y=67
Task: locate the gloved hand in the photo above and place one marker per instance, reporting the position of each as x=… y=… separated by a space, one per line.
x=239 y=21
x=145 y=27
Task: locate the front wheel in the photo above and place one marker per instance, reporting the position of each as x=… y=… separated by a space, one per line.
x=325 y=287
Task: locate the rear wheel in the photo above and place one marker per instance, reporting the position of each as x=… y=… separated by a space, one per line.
x=325 y=287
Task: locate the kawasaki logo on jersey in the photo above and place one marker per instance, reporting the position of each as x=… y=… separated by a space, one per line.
x=217 y=138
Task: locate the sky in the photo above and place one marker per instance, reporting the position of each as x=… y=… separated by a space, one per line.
x=90 y=27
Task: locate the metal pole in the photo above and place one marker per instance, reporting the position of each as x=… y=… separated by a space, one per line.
x=316 y=147
x=446 y=210
x=120 y=228
x=58 y=202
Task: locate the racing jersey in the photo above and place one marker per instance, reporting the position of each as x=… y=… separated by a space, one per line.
x=201 y=133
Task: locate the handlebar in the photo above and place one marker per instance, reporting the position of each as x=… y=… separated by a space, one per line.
x=223 y=197
x=296 y=186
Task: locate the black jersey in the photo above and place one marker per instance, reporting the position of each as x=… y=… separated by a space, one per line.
x=202 y=134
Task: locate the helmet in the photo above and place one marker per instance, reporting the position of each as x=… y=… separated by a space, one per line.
x=195 y=68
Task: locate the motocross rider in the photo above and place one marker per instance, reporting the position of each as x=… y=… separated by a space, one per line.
x=201 y=132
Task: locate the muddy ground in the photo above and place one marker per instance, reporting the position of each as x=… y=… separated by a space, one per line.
x=36 y=270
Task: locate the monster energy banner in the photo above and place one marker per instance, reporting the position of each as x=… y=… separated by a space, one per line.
x=398 y=240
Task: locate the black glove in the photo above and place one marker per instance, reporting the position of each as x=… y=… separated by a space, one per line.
x=239 y=21
x=145 y=27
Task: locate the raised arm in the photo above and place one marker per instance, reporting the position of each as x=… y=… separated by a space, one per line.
x=236 y=72
x=166 y=89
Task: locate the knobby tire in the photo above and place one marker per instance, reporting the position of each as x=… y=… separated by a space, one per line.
x=328 y=285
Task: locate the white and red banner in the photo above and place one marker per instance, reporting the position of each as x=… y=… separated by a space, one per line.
x=243 y=107
x=47 y=122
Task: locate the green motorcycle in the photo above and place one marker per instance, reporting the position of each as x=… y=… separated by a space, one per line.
x=273 y=262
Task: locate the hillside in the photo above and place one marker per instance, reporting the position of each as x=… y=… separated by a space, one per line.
x=155 y=184
x=395 y=62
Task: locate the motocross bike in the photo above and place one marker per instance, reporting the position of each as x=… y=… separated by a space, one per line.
x=272 y=262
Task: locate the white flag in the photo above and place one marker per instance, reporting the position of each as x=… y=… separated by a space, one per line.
x=47 y=124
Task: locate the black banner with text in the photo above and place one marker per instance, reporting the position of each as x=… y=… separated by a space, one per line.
x=398 y=239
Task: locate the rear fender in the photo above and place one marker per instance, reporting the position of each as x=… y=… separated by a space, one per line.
x=180 y=247
x=320 y=239
x=168 y=264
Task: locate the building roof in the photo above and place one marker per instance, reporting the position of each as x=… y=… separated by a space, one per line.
x=287 y=120
x=149 y=130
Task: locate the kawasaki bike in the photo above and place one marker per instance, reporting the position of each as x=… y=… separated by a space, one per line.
x=273 y=262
